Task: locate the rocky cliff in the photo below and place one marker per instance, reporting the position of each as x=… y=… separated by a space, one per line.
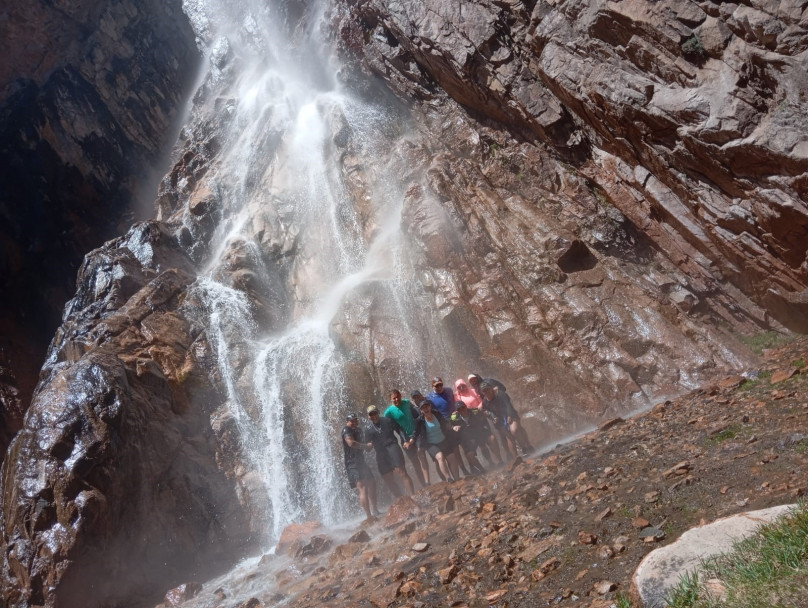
x=596 y=200
x=686 y=116
x=89 y=91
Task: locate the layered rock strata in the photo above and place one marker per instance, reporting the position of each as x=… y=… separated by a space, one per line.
x=689 y=117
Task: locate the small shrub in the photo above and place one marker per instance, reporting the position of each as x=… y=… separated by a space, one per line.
x=693 y=49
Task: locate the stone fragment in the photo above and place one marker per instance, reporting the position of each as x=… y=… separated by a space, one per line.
x=359 y=537
x=447 y=575
x=383 y=596
x=296 y=532
x=651 y=497
x=680 y=468
x=410 y=588
x=640 y=523
x=420 y=547
x=184 y=592
x=606 y=552
x=651 y=534
x=587 y=538
x=603 y=514
x=495 y=595
x=316 y=545
x=783 y=374
x=604 y=587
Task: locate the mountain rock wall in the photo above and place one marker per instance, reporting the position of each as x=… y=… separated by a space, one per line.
x=598 y=199
x=89 y=91
x=689 y=117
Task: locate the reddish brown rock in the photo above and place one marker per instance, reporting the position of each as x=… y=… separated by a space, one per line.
x=296 y=533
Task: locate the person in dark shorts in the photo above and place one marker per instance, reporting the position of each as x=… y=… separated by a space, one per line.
x=506 y=418
x=389 y=458
x=359 y=474
x=404 y=412
x=471 y=427
x=435 y=435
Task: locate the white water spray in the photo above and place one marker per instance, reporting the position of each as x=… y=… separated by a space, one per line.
x=281 y=115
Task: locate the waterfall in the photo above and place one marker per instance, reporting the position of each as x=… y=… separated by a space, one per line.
x=280 y=109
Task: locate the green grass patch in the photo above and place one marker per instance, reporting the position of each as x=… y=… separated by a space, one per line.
x=802 y=446
x=731 y=432
x=770 y=568
x=798 y=363
x=769 y=339
x=622 y=601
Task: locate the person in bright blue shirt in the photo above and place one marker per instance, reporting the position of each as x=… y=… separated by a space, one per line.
x=442 y=398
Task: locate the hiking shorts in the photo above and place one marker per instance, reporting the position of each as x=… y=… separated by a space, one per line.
x=388 y=458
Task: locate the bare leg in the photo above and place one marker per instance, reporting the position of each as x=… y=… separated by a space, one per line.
x=521 y=437
x=415 y=461
x=474 y=464
x=459 y=458
x=424 y=465
x=390 y=482
x=371 y=484
x=405 y=480
x=451 y=459
x=363 y=497
x=494 y=456
x=443 y=467
x=438 y=470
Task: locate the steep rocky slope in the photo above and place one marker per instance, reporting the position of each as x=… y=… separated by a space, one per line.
x=88 y=94
x=565 y=528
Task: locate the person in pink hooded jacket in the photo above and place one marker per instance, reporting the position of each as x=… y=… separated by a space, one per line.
x=468 y=396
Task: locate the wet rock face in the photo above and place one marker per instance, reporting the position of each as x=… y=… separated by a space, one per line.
x=112 y=492
x=88 y=93
x=687 y=116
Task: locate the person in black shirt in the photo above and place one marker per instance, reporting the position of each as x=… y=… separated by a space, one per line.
x=359 y=474
x=506 y=417
x=389 y=458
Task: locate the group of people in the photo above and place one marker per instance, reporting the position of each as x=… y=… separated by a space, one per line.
x=447 y=425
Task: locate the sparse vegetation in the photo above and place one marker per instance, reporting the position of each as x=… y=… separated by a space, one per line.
x=693 y=49
x=798 y=363
x=769 y=568
x=760 y=342
x=622 y=601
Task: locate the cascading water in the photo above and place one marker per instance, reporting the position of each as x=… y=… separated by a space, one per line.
x=281 y=110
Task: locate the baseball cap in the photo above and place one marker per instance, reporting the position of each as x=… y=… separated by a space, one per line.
x=459 y=404
x=437 y=380
x=372 y=409
x=351 y=417
x=415 y=394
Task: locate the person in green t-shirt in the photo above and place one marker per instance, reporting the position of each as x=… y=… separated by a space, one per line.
x=405 y=414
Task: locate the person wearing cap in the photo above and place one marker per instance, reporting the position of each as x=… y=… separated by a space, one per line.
x=405 y=413
x=434 y=434
x=359 y=474
x=441 y=397
x=418 y=398
x=475 y=380
x=467 y=428
x=507 y=419
x=472 y=427
x=389 y=458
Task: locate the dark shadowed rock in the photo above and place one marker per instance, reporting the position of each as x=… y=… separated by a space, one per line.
x=89 y=91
